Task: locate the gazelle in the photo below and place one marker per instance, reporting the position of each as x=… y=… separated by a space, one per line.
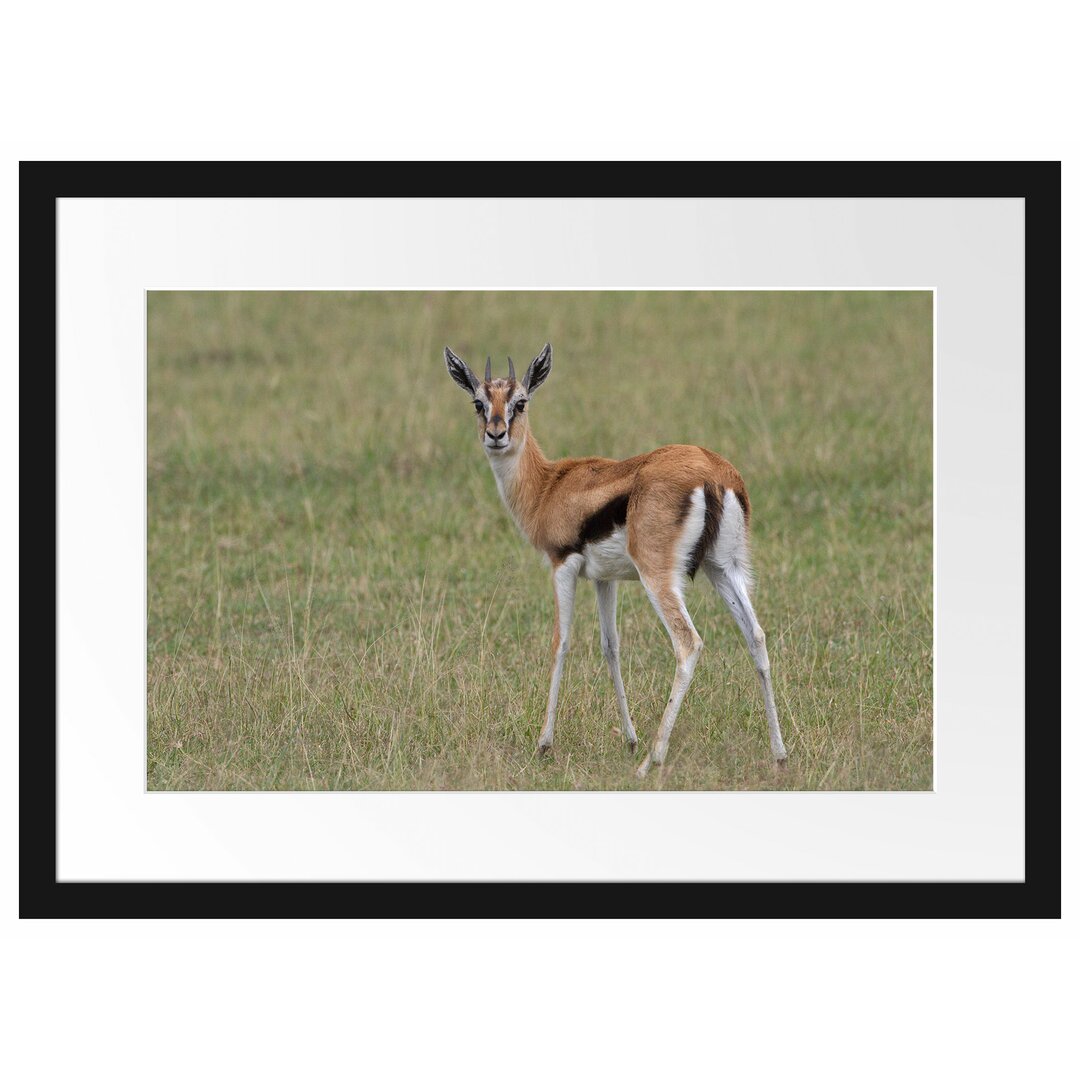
x=657 y=518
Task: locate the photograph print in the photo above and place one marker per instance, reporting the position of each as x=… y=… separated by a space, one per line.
x=540 y=540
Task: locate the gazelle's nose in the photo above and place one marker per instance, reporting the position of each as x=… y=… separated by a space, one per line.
x=496 y=430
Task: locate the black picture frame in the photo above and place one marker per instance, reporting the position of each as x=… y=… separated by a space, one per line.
x=42 y=183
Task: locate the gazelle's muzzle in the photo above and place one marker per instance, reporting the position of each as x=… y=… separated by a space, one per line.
x=496 y=433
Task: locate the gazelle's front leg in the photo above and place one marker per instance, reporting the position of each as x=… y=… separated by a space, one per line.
x=606 y=597
x=565 y=579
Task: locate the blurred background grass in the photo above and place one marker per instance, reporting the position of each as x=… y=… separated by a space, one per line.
x=338 y=599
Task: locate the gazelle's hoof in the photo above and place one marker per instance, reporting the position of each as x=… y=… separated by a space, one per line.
x=643 y=769
x=781 y=760
x=543 y=747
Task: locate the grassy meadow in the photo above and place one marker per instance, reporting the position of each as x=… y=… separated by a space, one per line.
x=337 y=598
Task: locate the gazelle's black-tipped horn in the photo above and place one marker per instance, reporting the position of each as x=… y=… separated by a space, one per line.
x=511 y=363
x=487 y=371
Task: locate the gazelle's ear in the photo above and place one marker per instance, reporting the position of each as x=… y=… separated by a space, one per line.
x=538 y=371
x=460 y=372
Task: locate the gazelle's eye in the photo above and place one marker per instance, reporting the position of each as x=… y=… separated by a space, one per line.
x=479 y=406
x=520 y=406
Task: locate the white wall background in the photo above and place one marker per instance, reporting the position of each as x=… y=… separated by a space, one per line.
x=685 y=80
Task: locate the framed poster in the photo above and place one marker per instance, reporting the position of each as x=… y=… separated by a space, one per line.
x=303 y=650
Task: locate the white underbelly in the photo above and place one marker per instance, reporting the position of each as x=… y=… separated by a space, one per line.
x=606 y=560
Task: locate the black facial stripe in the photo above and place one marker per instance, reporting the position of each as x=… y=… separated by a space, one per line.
x=511 y=414
x=610 y=516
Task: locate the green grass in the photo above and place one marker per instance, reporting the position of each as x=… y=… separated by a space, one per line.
x=337 y=598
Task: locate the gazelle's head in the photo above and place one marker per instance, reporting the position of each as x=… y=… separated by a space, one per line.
x=501 y=404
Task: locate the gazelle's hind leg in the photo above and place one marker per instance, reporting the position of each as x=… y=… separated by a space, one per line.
x=732 y=585
x=606 y=598
x=727 y=564
x=660 y=556
x=667 y=598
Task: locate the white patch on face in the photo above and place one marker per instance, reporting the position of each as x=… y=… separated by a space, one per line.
x=511 y=407
x=607 y=560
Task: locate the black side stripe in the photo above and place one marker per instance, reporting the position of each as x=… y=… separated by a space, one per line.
x=714 y=509
x=610 y=516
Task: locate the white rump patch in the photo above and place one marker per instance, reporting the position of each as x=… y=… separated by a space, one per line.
x=691 y=534
x=731 y=550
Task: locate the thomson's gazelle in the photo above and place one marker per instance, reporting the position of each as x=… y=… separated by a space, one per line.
x=656 y=518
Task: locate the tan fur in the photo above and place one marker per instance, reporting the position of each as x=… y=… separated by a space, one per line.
x=551 y=500
x=685 y=638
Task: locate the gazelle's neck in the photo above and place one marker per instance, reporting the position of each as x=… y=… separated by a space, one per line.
x=521 y=475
